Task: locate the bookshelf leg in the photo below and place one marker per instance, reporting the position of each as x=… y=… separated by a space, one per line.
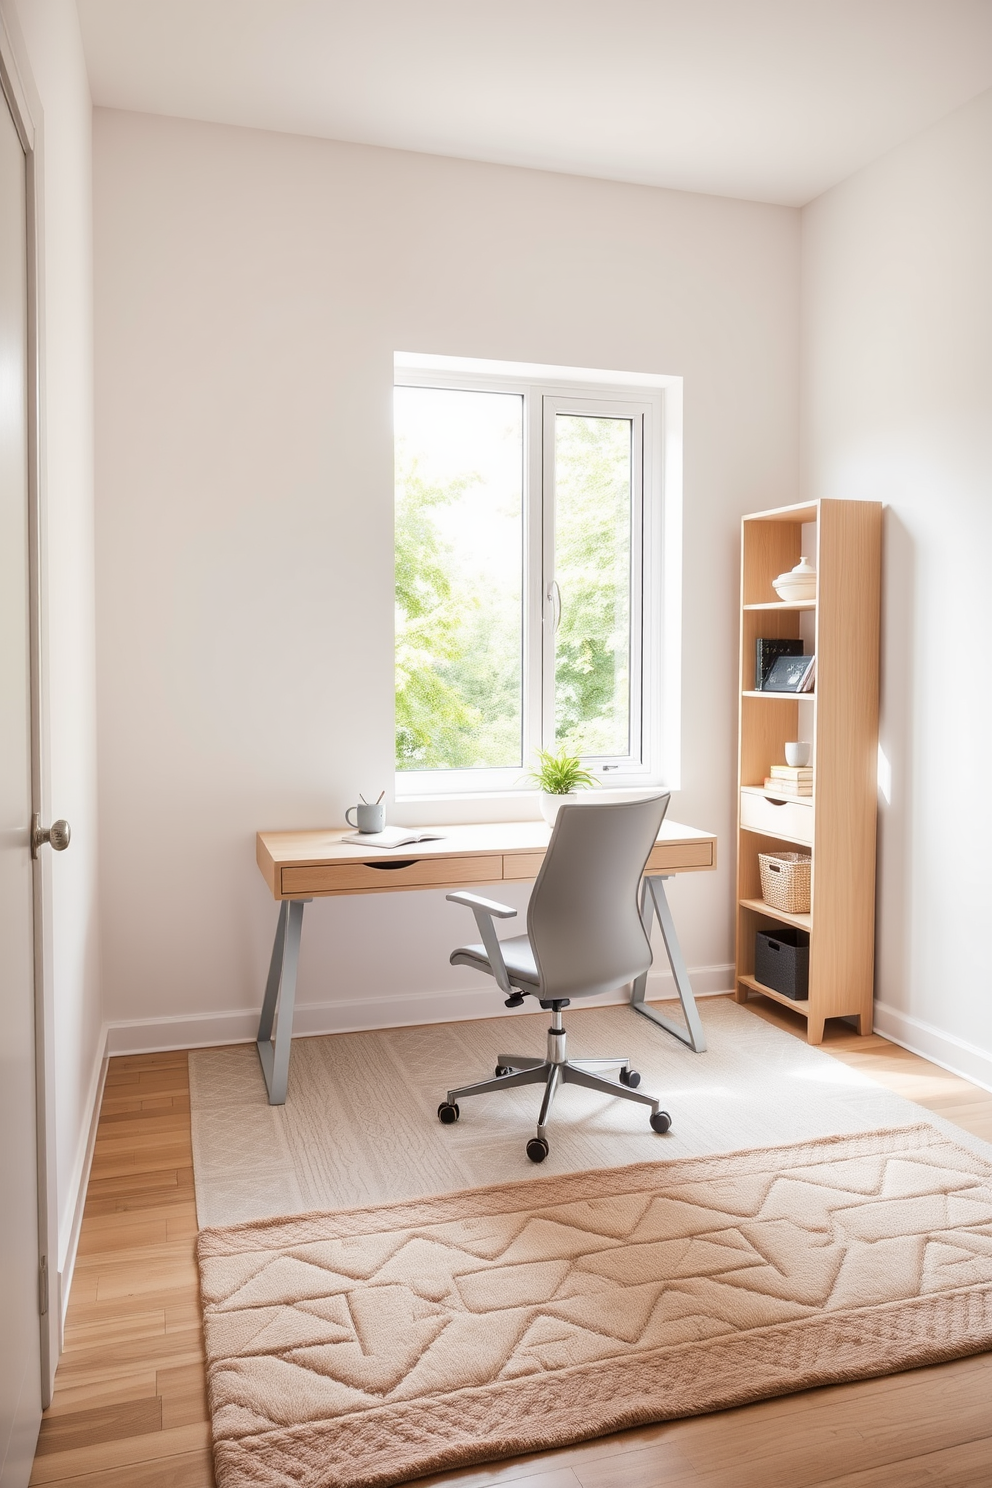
x=814 y=1030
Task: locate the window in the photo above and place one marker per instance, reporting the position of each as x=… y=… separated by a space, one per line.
x=530 y=552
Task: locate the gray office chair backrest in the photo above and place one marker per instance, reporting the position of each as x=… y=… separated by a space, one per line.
x=583 y=920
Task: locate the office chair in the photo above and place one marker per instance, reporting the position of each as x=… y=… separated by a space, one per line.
x=584 y=936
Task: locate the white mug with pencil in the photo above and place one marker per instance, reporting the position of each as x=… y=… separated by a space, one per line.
x=370 y=816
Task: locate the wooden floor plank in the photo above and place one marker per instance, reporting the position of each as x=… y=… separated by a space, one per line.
x=802 y=1440
x=185 y=1470
x=123 y=1106
x=132 y=1185
x=64 y=1431
x=108 y=1233
x=965 y=1466
x=122 y=1452
x=183 y=1392
x=521 y=1472
x=83 y=1332
x=130 y=1400
x=184 y=1346
x=129 y=1385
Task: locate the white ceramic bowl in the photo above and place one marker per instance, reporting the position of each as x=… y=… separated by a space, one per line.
x=791 y=591
x=796 y=584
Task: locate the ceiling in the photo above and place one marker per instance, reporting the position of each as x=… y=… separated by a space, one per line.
x=771 y=100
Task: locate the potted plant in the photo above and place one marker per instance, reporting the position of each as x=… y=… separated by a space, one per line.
x=560 y=777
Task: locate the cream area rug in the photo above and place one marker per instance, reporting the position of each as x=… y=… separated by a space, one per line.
x=360 y=1125
x=364 y=1348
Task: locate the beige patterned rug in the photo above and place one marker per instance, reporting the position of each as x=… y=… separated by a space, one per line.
x=360 y=1125
x=366 y=1347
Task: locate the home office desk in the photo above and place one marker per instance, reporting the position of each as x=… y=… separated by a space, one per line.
x=301 y=866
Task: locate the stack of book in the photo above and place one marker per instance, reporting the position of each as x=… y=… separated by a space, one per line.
x=790 y=780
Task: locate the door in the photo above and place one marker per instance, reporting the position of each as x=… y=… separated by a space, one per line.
x=20 y=1332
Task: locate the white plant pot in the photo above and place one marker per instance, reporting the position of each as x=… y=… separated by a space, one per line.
x=550 y=804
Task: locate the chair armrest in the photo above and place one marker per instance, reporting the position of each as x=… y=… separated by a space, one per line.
x=489 y=906
x=485 y=911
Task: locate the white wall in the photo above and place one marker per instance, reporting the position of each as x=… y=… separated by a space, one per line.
x=251 y=289
x=54 y=58
x=898 y=408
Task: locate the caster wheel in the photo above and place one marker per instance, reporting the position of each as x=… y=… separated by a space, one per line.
x=502 y=1069
x=630 y=1077
x=537 y=1149
x=660 y=1121
x=447 y=1114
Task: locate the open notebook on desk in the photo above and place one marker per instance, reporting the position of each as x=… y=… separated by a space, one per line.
x=393 y=837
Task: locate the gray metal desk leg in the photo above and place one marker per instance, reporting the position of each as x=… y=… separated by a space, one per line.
x=280 y=988
x=654 y=900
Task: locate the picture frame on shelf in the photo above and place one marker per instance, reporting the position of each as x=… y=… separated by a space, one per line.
x=767 y=650
x=790 y=674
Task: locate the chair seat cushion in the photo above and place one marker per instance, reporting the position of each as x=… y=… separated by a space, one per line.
x=517 y=955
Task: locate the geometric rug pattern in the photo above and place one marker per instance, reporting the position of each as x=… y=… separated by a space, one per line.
x=370 y=1346
x=360 y=1123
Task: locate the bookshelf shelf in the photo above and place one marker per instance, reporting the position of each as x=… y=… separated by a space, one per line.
x=758 y=906
x=793 y=842
x=789 y=697
x=843 y=541
x=784 y=604
x=801 y=1006
x=770 y=795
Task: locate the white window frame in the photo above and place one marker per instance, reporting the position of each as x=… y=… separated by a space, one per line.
x=654 y=403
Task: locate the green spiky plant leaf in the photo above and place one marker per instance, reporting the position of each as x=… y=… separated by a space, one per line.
x=560 y=774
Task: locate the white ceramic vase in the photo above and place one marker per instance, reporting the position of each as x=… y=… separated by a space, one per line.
x=550 y=804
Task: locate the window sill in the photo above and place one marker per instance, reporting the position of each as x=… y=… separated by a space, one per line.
x=492 y=806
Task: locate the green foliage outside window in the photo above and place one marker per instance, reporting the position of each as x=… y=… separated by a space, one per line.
x=457 y=654
x=592 y=565
x=459 y=640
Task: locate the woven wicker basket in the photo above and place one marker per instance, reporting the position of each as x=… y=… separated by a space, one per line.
x=785 y=881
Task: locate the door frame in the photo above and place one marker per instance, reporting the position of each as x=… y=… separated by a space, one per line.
x=22 y=99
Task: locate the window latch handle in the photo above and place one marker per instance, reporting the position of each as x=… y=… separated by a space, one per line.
x=554 y=599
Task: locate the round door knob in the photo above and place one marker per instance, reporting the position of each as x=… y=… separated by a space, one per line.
x=57 y=835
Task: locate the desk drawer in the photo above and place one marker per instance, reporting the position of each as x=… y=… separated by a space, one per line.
x=522 y=865
x=676 y=857
x=790 y=819
x=389 y=874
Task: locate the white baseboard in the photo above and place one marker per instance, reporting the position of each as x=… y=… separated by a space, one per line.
x=946 y=1049
x=206 y=1030
x=80 y=1182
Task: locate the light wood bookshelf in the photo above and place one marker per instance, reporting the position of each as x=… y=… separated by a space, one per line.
x=839 y=719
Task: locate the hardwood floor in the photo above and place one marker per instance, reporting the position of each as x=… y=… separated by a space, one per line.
x=130 y=1405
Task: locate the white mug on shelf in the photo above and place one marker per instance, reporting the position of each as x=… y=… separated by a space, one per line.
x=797 y=753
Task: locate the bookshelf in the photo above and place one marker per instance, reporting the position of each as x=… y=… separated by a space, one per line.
x=836 y=824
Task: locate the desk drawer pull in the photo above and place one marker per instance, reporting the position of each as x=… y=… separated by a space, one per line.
x=396 y=863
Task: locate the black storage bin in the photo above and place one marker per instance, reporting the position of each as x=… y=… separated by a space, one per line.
x=781 y=961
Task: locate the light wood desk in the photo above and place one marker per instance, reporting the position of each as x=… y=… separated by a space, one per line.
x=300 y=866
